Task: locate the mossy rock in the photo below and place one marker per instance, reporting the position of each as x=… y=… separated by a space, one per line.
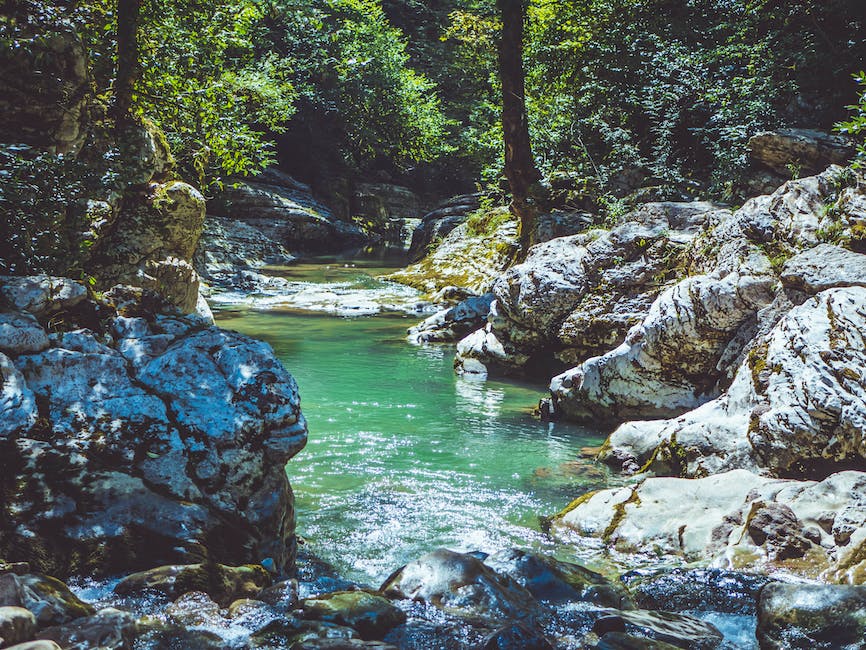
x=370 y=614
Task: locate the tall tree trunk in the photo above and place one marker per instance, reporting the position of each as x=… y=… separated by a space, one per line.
x=520 y=166
x=128 y=15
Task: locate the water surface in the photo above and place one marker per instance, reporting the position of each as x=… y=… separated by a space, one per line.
x=403 y=455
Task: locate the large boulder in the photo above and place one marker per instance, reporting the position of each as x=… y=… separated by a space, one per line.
x=737 y=519
x=574 y=297
x=697 y=333
x=452 y=323
x=149 y=439
x=796 y=407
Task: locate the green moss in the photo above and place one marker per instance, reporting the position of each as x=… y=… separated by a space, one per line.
x=757 y=361
x=483 y=222
x=619 y=515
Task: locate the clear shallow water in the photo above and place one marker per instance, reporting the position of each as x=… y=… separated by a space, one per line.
x=403 y=455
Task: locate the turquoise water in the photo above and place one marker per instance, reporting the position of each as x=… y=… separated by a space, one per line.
x=403 y=455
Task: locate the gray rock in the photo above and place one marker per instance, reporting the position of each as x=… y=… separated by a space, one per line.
x=36 y=645
x=224 y=584
x=435 y=225
x=811 y=616
x=461 y=584
x=41 y=294
x=575 y=297
x=165 y=442
x=108 y=629
x=824 y=267
x=453 y=323
x=712 y=519
x=805 y=150
x=16 y=625
x=50 y=601
x=679 y=630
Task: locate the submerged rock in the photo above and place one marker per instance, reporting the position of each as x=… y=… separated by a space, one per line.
x=811 y=616
x=222 y=583
x=157 y=438
x=368 y=613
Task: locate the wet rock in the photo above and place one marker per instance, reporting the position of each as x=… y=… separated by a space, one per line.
x=285 y=633
x=16 y=625
x=371 y=615
x=252 y=614
x=342 y=644
x=283 y=595
x=156 y=635
x=108 y=629
x=574 y=297
x=463 y=585
x=50 y=601
x=811 y=616
x=678 y=630
x=35 y=645
x=193 y=609
x=435 y=225
x=516 y=636
x=708 y=520
x=222 y=583
x=160 y=440
x=554 y=581
x=453 y=323
x=805 y=150
x=623 y=641
x=715 y=590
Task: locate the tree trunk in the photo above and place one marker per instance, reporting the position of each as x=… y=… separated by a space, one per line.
x=128 y=14
x=520 y=166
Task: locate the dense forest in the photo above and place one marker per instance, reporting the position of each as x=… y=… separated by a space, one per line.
x=432 y=325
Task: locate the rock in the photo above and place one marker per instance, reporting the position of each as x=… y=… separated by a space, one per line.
x=824 y=267
x=464 y=260
x=108 y=629
x=435 y=225
x=679 y=630
x=16 y=625
x=251 y=614
x=45 y=89
x=286 y=212
x=161 y=440
x=17 y=402
x=195 y=609
x=36 y=645
x=697 y=333
x=283 y=595
x=453 y=323
x=461 y=584
x=288 y=632
x=623 y=641
x=50 y=601
x=716 y=590
x=227 y=245
x=222 y=583
x=342 y=644
x=21 y=334
x=811 y=616
x=709 y=520
x=386 y=209
x=795 y=407
x=554 y=581
x=800 y=151
x=41 y=294
x=371 y=615
x=151 y=241
x=575 y=297
x=157 y=635
x=516 y=636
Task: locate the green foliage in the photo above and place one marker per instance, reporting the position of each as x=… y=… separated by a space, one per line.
x=856 y=124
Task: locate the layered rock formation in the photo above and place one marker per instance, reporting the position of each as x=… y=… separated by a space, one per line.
x=133 y=435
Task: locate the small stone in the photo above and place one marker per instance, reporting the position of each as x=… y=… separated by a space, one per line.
x=16 y=625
